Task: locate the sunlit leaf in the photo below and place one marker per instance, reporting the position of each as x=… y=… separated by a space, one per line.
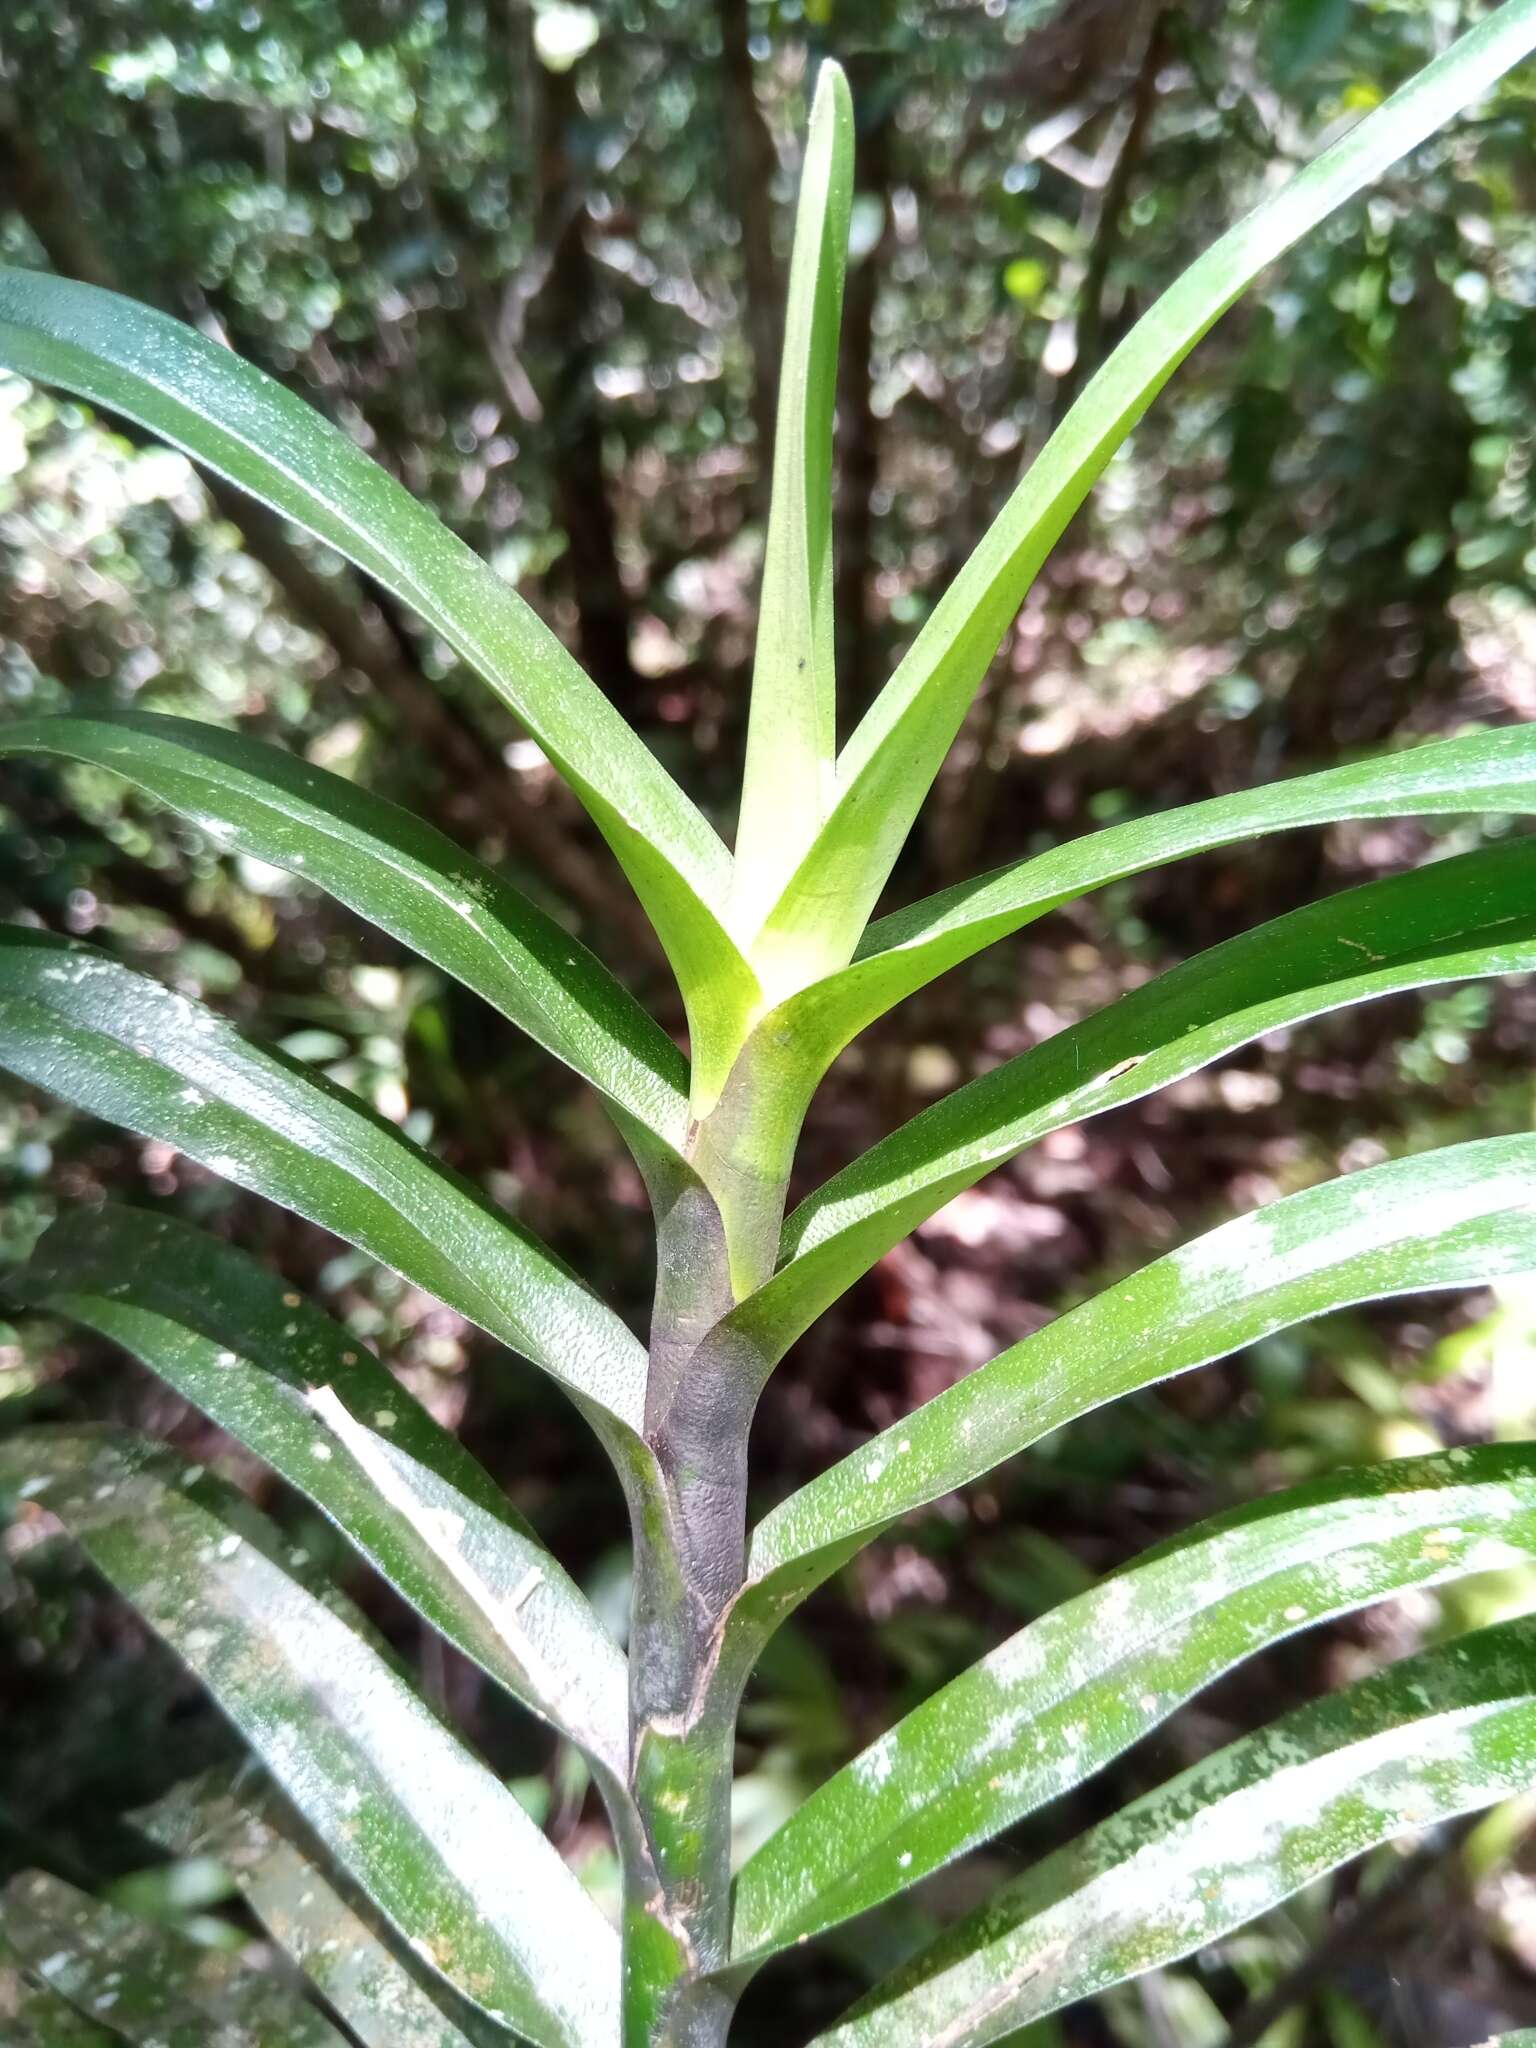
x=247 y=428
x=1440 y=1734
x=1474 y=915
x=130 y=1050
x=1452 y=1218
x=792 y=735
x=1064 y=1696
x=403 y=876
x=434 y=1840
x=888 y=764
x=293 y=1387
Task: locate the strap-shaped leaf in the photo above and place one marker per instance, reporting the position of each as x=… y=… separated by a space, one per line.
x=1437 y=1735
x=150 y=1986
x=401 y=875
x=1453 y=1218
x=230 y=417
x=293 y=1387
x=127 y=1049
x=1489 y=771
x=1458 y=918
x=333 y=1938
x=892 y=758
x=433 y=1839
x=792 y=735
x=1062 y=1697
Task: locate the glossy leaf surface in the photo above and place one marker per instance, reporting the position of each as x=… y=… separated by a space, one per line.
x=400 y=874
x=127 y=1049
x=792 y=734
x=295 y=1388
x=1061 y=1698
x=1474 y=915
x=229 y=416
x=1490 y=771
x=1452 y=1218
x=152 y=1987
x=333 y=1939
x=1443 y=1733
x=888 y=764
x=434 y=1840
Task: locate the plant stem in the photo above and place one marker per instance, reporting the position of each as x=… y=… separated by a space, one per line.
x=689 y=1563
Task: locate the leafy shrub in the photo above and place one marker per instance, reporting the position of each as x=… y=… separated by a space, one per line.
x=402 y=1879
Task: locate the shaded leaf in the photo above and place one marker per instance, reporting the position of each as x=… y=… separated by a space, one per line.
x=333 y=1938
x=149 y=1985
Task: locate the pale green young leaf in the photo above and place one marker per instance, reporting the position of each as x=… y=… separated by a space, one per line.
x=239 y=423
x=749 y=1143
x=888 y=764
x=403 y=876
x=792 y=734
x=437 y=1843
x=350 y=1957
x=148 y=1985
x=1459 y=1217
x=1061 y=1698
x=1473 y=915
x=296 y=1389
x=127 y=1049
x=1439 y=1734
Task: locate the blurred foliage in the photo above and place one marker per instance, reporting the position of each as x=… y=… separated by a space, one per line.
x=530 y=255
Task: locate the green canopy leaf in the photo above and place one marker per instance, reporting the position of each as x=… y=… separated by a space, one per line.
x=1440 y=1734
x=435 y=1841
